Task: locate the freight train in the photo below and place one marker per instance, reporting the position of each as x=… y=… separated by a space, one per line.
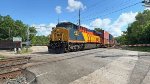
x=68 y=37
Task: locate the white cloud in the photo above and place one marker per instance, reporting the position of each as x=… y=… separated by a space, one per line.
x=84 y=25
x=116 y=27
x=100 y=23
x=58 y=9
x=123 y=20
x=64 y=21
x=75 y=5
x=147 y=8
x=43 y=29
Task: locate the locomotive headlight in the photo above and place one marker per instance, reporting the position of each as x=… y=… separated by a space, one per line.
x=76 y=33
x=53 y=28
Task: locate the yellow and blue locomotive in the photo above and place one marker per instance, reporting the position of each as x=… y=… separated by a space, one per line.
x=70 y=37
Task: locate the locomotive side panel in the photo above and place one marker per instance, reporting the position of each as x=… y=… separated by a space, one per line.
x=74 y=34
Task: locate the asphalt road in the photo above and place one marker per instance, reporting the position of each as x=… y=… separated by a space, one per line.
x=96 y=66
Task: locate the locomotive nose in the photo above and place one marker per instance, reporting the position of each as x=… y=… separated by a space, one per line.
x=60 y=34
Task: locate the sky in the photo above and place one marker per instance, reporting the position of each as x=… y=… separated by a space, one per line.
x=110 y=15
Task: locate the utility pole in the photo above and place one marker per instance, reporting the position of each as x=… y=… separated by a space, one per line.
x=9 y=33
x=58 y=18
x=79 y=18
x=28 y=37
x=77 y=32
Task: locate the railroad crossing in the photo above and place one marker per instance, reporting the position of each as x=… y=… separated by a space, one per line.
x=95 y=66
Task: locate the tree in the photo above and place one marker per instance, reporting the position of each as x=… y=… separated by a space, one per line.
x=10 y=28
x=6 y=22
x=139 y=31
x=40 y=40
x=98 y=29
x=122 y=39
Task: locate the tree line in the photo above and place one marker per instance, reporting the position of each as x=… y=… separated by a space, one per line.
x=40 y=40
x=10 y=28
x=137 y=32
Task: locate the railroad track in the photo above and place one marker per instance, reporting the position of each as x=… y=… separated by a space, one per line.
x=12 y=67
x=65 y=56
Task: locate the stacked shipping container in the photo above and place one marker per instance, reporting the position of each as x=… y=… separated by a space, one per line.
x=105 y=37
x=111 y=40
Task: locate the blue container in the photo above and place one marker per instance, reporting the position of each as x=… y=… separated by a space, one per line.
x=110 y=37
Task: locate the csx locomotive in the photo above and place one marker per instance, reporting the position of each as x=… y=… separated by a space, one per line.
x=70 y=37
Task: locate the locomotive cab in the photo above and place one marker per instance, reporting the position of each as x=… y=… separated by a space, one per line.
x=62 y=36
x=58 y=40
x=59 y=34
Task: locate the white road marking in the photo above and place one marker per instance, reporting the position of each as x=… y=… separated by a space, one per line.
x=42 y=74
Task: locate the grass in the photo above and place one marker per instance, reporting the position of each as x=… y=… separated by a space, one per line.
x=2 y=57
x=24 y=51
x=141 y=48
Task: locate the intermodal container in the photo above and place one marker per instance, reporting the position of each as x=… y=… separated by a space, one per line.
x=106 y=41
x=105 y=37
x=110 y=37
x=104 y=34
x=111 y=42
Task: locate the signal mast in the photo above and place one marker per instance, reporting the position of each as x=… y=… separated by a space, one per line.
x=146 y=3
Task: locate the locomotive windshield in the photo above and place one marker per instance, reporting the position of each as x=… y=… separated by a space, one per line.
x=66 y=25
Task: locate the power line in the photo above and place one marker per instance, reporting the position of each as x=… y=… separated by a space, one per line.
x=110 y=8
x=133 y=5
x=113 y=11
x=94 y=5
x=86 y=10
